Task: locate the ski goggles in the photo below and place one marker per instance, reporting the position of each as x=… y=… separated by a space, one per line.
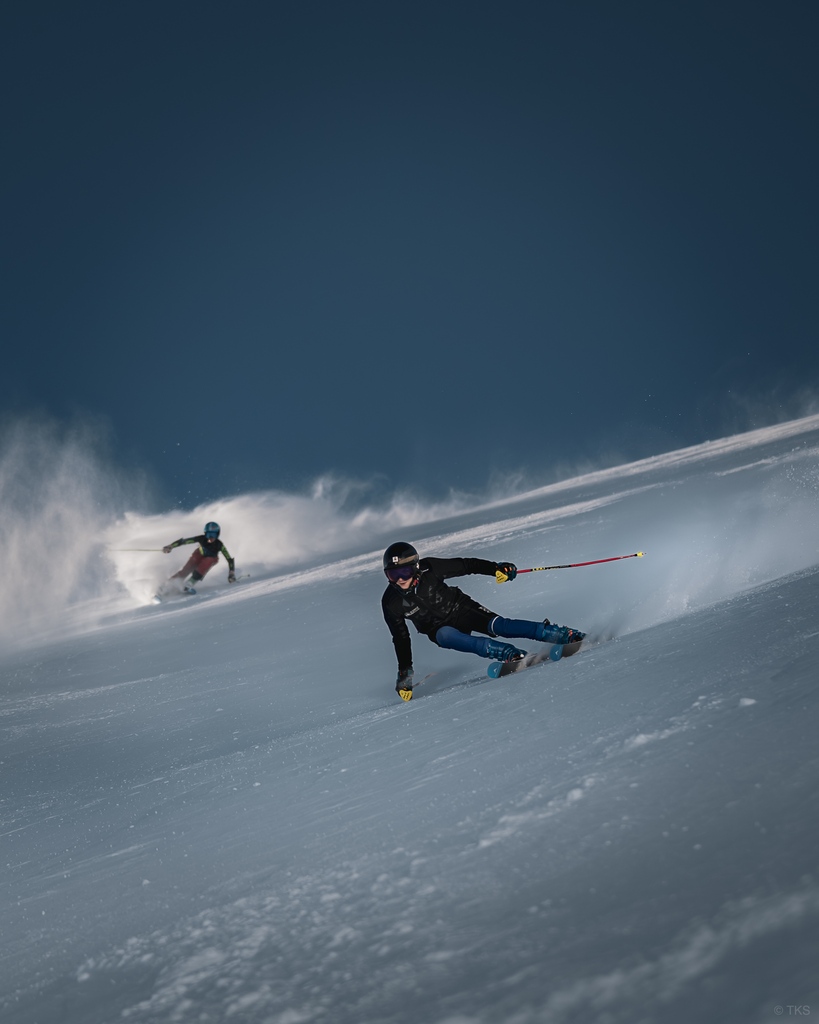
x=401 y=572
x=211 y=535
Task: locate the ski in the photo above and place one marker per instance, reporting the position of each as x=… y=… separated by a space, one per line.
x=507 y=668
x=161 y=596
x=186 y=591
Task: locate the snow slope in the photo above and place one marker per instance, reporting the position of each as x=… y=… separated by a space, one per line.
x=217 y=809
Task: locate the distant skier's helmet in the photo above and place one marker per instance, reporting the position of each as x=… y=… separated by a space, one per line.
x=211 y=530
x=400 y=561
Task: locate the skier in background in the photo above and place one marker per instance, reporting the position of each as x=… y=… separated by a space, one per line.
x=204 y=558
x=416 y=591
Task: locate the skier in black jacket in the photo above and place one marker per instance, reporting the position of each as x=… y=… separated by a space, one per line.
x=417 y=591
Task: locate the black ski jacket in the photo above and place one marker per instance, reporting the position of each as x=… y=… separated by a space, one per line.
x=430 y=604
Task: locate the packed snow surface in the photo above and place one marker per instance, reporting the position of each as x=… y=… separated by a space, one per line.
x=217 y=809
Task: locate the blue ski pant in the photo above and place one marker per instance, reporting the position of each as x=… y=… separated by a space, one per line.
x=455 y=640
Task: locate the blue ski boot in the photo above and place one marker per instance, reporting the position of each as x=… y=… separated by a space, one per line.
x=498 y=651
x=550 y=634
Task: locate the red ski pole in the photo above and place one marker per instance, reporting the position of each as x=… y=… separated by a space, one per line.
x=502 y=577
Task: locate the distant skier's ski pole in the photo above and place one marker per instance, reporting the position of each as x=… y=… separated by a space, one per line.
x=501 y=577
x=135 y=549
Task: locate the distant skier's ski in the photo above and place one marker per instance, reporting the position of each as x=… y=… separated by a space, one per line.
x=555 y=653
x=172 y=592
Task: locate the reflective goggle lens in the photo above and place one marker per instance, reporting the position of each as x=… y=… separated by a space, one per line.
x=401 y=572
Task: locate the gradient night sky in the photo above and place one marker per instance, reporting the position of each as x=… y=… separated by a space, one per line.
x=423 y=242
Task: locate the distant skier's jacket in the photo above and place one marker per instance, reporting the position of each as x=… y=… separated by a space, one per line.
x=431 y=603
x=209 y=548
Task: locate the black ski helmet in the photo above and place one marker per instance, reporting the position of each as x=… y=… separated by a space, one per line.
x=212 y=530
x=400 y=554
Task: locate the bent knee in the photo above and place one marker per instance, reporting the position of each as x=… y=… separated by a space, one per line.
x=445 y=636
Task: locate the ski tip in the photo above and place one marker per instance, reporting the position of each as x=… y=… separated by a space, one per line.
x=494 y=669
x=556 y=652
x=640 y=554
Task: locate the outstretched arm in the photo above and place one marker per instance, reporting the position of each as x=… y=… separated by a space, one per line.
x=446 y=568
x=177 y=543
x=401 y=642
x=231 y=563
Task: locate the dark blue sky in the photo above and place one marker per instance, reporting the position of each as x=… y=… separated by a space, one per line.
x=426 y=242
